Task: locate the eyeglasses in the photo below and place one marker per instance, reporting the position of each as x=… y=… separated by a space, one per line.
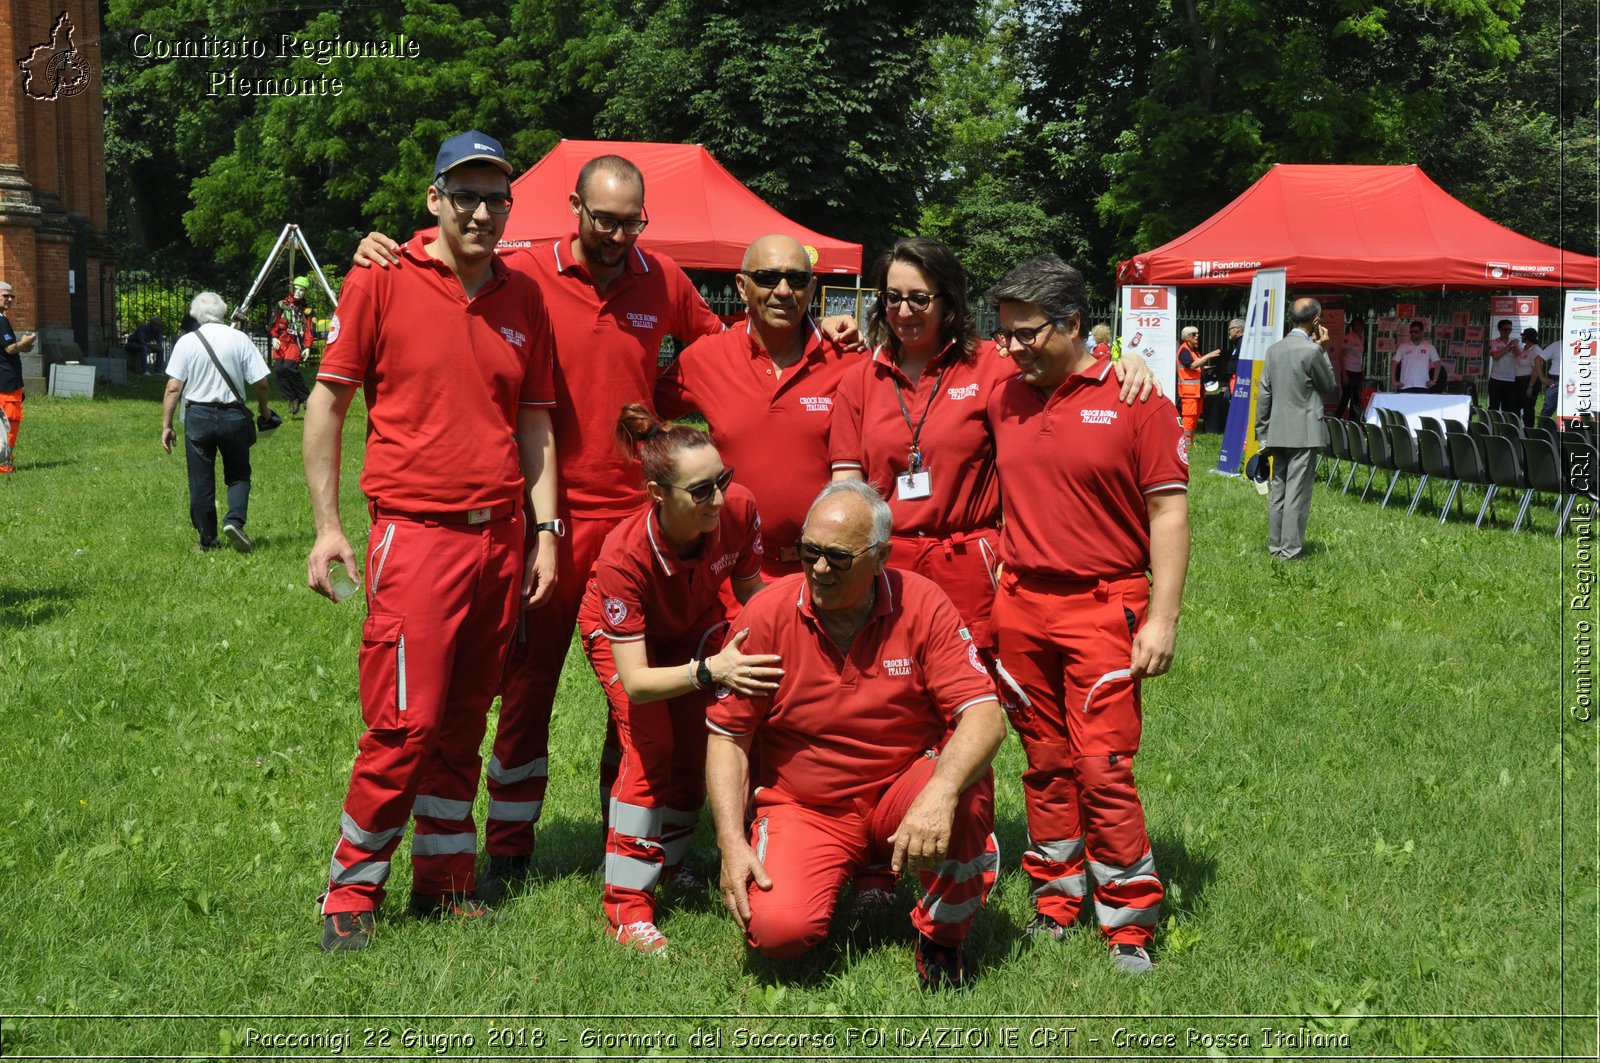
x=701 y=493
x=1027 y=337
x=919 y=301
x=467 y=202
x=771 y=278
x=605 y=225
x=838 y=560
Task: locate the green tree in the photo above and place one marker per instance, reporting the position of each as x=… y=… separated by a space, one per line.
x=812 y=107
x=980 y=198
x=1161 y=113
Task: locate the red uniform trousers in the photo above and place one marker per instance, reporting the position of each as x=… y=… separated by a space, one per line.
x=963 y=566
x=11 y=406
x=442 y=600
x=810 y=853
x=660 y=784
x=519 y=767
x=1067 y=645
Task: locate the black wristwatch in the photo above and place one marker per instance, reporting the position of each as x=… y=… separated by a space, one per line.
x=557 y=527
x=702 y=675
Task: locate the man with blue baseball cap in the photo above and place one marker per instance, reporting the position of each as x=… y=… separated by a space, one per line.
x=455 y=356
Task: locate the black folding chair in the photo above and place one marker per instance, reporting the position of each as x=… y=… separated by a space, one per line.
x=1338 y=449
x=1378 y=452
x=1467 y=460
x=1542 y=463
x=1403 y=452
x=1436 y=463
x=1504 y=458
x=1359 y=455
x=1433 y=424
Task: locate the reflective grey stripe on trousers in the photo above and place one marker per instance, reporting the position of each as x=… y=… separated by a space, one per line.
x=369 y=840
x=443 y=844
x=366 y=873
x=441 y=807
x=503 y=775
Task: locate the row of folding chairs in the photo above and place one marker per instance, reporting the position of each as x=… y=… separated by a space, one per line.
x=1489 y=457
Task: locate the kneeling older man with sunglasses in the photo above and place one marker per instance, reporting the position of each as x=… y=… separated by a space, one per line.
x=875 y=746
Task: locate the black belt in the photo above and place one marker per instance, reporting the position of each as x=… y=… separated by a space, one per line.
x=219 y=405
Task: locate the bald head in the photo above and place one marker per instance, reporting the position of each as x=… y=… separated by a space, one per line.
x=1305 y=311
x=776 y=251
x=614 y=167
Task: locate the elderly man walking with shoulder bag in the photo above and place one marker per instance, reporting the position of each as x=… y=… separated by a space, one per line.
x=210 y=369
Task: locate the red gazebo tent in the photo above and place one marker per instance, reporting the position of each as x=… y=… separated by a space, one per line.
x=700 y=214
x=1357 y=227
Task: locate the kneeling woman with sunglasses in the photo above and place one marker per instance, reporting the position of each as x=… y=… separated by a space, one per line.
x=653 y=624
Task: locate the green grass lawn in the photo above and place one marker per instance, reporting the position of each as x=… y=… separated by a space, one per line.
x=1374 y=814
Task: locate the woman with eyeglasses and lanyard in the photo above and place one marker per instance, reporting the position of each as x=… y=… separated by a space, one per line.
x=912 y=422
x=653 y=625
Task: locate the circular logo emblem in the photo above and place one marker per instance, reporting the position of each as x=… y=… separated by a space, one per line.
x=616 y=611
x=973 y=658
x=756 y=547
x=67 y=74
x=811 y=254
x=1497 y=272
x=1149 y=298
x=333 y=328
x=1183 y=450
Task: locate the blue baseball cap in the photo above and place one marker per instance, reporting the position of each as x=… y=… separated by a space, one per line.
x=471 y=146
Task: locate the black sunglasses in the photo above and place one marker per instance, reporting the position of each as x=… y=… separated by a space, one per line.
x=701 y=493
x=771 y=278
x=918 y=300
x=838 y=560
x=467 y=202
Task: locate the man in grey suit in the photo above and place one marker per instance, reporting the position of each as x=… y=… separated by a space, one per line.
x=1297 y=379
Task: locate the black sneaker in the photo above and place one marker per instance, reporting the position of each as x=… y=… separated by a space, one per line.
x=940 y=966
x=347 y=931
x=457 y=906
x=1042 y=926
x=504 y=876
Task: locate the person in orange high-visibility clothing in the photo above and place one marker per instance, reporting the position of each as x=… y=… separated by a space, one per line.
x=1191 y=393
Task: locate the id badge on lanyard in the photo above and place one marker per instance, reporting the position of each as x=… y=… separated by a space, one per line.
x=913 y=484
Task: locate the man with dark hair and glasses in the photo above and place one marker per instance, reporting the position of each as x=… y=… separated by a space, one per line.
x=766 y=389
x=454 y=355
x=1095 y=548
x=875 y=746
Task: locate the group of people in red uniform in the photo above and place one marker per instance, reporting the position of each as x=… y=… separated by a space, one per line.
x=1006 y=526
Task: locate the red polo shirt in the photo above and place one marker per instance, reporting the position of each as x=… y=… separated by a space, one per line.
x=641 y=589
x=1075 y=468
x=842 y=727
x=606 y=350
x=443 y=376
x=773 y=429
x=950 y=401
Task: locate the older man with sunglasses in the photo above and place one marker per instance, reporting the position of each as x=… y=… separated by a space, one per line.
x=766 y=389
x=875 y=747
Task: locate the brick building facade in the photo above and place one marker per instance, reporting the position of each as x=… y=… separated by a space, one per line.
x=53 y=243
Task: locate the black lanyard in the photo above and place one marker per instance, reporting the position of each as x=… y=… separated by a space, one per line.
x=916 y=429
